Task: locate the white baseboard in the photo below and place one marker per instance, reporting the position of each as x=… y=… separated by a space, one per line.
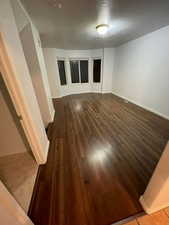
x=143 y=106
x=150 y=210
x=106 y=92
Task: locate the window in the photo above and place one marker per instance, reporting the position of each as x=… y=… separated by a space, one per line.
x=96 y=70
x=74 y=68
x=62 y=73
x=79 y=71
x=84 y=71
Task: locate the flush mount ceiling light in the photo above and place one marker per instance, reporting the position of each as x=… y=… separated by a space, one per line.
x=102 y=28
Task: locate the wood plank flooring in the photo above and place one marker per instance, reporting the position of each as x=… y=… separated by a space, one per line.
x=102 y=154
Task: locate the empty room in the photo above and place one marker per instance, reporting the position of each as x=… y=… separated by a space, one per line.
x=84 y=91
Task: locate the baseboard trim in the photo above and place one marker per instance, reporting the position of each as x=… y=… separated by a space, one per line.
x=142 y=106
x=106 y=92
x=149 y=210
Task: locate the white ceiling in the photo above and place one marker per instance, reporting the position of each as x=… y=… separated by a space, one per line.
x=73 y=25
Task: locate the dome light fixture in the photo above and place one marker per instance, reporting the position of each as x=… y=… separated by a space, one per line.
x=102 y=28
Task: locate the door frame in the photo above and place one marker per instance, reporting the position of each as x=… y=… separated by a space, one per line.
x=18 y=99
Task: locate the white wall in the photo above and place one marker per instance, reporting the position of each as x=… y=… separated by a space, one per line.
x=142 y=71
x=32 y=59
x=50 y=60
x=108 y=69
x=51 y=55
x=43 y=69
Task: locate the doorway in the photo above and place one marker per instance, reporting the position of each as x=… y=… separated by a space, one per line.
x=18 y=167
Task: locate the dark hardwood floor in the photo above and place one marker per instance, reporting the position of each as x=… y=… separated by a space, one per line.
x=102 y=154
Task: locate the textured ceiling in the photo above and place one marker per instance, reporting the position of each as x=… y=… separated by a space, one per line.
x=70 y=24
